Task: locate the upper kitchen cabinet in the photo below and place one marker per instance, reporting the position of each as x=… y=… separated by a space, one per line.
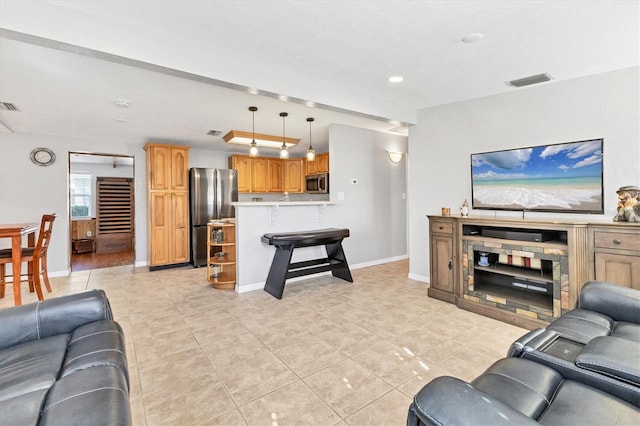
x=259 y=174
x=323 y=162
x=319 y=165
x=166 y=166
x=294 y=175
x=268 y=174
x=242 y=163
x=275 y=167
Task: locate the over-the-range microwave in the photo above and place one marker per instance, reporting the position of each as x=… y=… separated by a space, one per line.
x=317 y=184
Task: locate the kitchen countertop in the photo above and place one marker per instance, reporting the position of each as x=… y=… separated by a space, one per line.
x=282 y=203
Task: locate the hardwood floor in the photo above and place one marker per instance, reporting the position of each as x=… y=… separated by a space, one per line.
x=86 y=261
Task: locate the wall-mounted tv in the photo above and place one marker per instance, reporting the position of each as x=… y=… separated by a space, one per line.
x=563 y=177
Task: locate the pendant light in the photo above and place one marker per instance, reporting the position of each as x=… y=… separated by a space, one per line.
x=253 y=148
x=311 y=154
x=284 y=152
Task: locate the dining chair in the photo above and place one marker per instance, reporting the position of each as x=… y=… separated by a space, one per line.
x=36 y=258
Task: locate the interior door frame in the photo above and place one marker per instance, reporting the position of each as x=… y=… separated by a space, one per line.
x=70 y=154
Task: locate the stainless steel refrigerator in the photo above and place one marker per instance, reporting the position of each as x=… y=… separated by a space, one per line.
x=211 y=192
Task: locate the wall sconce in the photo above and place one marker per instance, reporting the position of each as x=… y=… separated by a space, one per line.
x=394 y=156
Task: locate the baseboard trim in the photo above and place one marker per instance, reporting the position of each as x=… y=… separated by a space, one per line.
x=378 y=262
x=417 y=277
x=260 y=285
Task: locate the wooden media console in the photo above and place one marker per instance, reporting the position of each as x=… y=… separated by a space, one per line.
x=524 y=271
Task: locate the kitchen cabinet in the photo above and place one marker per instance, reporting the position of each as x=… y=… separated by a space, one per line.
x=442 y=258
x=165 y=165
x=168 y=204
x=294 y=176
x=615 y=254
x=259 y=174
x=319 y=165
x=322 y=161
x=242 y=163
x=268 y=174
x=221 y=255
x=275 y=167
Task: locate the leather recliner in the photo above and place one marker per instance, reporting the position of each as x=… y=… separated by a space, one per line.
x=63 y=362
x=517 y=391
x=583 y=369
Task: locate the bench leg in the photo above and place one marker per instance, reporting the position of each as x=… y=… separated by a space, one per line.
x=338 y=261
x=278 y=271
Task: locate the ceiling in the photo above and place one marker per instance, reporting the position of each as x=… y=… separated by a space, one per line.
x=186 y=68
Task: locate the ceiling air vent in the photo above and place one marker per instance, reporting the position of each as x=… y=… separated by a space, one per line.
x=6 y=106
x=214 y=133
x=527 y=81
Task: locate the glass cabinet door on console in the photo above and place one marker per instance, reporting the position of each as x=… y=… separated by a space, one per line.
x=442 y=259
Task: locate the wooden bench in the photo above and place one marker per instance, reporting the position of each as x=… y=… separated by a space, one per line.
x=282 y=268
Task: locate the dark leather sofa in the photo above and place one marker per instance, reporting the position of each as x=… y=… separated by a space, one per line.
x=582 y=369
x=63 y=362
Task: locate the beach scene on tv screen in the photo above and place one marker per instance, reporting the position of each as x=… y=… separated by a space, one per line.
x=552 y=177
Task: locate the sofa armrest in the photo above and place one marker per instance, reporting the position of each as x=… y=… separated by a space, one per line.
x=50 y=317
x=617 y=302
x=451 y=401
x=517 y=347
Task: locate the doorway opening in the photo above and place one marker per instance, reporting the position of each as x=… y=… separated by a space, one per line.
x=101 y=210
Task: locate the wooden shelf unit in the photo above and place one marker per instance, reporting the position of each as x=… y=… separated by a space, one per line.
x=224 y=268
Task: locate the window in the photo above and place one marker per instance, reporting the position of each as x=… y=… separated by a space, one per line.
x=80 y=196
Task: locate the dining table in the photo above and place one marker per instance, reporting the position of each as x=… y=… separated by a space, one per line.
x=16 y=231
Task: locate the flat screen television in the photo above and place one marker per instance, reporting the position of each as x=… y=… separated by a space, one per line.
x=563 y=177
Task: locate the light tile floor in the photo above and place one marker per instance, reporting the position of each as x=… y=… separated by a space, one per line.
x=328 y=353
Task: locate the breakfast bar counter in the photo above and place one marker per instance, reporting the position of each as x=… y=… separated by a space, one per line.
x=256 y=218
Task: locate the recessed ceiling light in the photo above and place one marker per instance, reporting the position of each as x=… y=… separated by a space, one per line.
x=121 y=120
x=473 y=38
x=122 y=103
x=252 y=91
x=396 y=79
x=283 y=98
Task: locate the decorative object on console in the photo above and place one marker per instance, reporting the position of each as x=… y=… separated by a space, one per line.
x=464 y=209
x=628 y=204
x=446 y=211
x=565 y=177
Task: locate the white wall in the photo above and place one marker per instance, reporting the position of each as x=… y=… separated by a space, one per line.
x=604 y=105
x=27 y=191
x=373 y=209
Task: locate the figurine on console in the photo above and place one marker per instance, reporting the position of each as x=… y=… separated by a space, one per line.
x=628 y=204
x=464 y=209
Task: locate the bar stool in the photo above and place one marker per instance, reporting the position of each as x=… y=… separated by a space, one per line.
x=36 y=258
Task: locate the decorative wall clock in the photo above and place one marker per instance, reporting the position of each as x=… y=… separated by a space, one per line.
x=43 y=156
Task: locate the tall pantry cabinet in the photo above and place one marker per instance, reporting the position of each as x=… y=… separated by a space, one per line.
x=168 y=204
